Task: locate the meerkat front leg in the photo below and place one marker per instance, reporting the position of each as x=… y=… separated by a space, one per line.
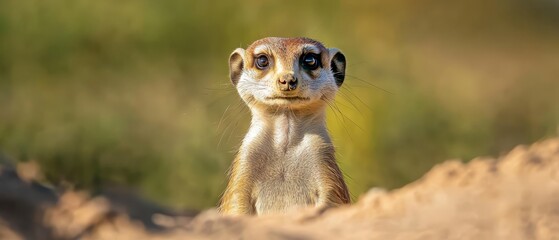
x=333 y=190
x=237 y=202
x=237 y=198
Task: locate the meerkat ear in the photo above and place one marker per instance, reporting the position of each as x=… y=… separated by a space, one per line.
x=236 y=65
x=337 y=64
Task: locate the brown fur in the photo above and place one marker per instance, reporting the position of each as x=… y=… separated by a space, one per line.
x=287 y=159
x=236 y=198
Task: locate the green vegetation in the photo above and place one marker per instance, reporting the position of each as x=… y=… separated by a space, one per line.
x=136 y=93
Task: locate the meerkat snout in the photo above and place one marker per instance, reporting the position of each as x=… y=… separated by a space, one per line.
x=287 y=82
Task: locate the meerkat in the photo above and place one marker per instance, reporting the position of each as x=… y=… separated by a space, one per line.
x=286 y=160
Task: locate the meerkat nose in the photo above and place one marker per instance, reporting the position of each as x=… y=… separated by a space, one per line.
x=287 y=82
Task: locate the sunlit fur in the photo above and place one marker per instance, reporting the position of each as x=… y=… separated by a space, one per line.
x=286 y=161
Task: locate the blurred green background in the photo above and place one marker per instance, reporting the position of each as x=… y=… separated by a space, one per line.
x=136 y=93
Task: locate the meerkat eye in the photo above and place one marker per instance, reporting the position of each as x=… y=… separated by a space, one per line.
x=310 y=61
x=262 y=61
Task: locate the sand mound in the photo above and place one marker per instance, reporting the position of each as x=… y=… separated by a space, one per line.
x=513 y=197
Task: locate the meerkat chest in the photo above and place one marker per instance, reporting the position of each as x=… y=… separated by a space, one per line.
x=291 y=177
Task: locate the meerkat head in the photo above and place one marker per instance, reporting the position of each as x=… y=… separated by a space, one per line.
x=290 y=73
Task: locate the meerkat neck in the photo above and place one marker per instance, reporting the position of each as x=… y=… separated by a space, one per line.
x=281 y=131
x=287 y=117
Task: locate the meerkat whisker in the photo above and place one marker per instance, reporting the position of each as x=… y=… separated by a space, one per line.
x=343 y=122
x=348 y=99
x=238 y=106
x=370 y=84
x=348 y=89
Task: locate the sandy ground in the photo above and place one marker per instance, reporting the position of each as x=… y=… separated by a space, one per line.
x=513 y=197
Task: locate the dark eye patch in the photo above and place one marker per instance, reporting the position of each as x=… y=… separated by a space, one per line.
x=310 y=61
